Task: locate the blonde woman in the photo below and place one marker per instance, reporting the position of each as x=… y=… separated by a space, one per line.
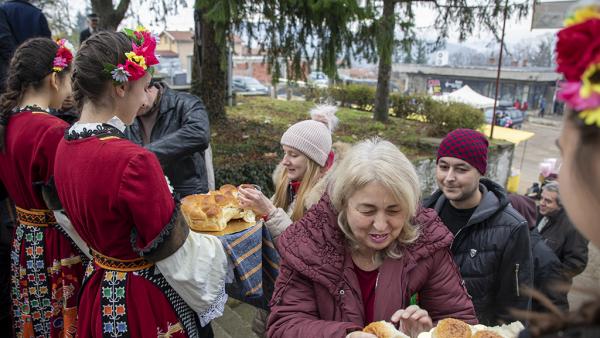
x=307 y=148
x=366 y=252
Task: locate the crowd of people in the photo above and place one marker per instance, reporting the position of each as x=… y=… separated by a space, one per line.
x=95 y=157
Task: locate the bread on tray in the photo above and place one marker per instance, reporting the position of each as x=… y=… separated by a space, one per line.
x=383 y=329
x=212 y=211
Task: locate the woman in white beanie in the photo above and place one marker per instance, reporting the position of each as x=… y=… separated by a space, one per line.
x=307 y=148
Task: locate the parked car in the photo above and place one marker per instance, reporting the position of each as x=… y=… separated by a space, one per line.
x=246 y=85
x=318 y=79
x=517 y=117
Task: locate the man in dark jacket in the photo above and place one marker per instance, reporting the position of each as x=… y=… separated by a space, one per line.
x=92 y=22
x=176 y=129
x=19 y=21
x=7 y=225
x=491 y=245
x=25 y=20
x=7 y=46
x=547 y=275
x=559 y=233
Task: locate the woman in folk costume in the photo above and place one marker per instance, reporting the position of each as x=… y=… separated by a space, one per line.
x=308 y=155
x=578 y=59
x=150 y=276
x=46 y=266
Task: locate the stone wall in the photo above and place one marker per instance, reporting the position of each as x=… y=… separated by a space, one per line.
x=500 y=158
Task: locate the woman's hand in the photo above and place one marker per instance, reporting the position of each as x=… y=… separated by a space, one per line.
x=360 y=334
x=255 y=200
x=413 y=320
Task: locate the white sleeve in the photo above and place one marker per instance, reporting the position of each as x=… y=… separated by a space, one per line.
x=197 y=272
x=64 y=222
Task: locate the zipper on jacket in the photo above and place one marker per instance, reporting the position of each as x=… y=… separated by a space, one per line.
x=517 y=279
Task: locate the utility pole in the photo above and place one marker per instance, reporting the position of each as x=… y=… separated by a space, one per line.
x=499 y=69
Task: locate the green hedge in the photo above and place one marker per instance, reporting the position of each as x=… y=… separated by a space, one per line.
x=441 y=117
x=445 y=117
x=405 y=105
x=259 y=173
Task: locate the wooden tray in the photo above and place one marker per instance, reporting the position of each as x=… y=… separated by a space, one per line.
x=233 y=226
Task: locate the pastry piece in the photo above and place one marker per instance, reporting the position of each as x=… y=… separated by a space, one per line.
x=452 y=328
x=486 y=334
x=212 y=211
x=383 y=329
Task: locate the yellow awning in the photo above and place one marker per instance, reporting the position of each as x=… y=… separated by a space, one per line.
x=508 y=134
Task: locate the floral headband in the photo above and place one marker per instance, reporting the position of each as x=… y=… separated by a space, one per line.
x=578 y=58
x=139 y=60
x=64 y=55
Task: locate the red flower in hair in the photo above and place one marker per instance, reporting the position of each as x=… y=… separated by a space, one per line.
x=65 y=53
x=135 y=71
x=147 y=48
x=577 y=47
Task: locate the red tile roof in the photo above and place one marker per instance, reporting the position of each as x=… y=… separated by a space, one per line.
x=180 y=35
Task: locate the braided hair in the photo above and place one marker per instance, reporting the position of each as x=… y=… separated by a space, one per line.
x=30 y=64
x=90 y=81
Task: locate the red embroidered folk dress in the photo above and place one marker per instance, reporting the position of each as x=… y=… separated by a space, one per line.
x=46 y=266
x=117 y=198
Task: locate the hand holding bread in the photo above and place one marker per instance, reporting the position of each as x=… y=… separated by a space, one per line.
x=255 y=200
x=412 y=320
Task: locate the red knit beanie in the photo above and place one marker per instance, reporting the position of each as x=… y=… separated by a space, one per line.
x=468 y=145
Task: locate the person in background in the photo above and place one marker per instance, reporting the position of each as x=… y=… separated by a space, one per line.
x=547 y=275
x=542 y=107
x=8 y=221
x=7 y=46
x=491 y=245
x=19 y=21
x=25 y=20
x=367 y=252
x=558 y=232
x=174 y=126
x=67 y=112
x=92 y=27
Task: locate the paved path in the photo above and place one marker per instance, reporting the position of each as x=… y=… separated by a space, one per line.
x=236 y=321
x=538 y=148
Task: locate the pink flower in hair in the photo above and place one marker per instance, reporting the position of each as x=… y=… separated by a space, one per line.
x=570 y=93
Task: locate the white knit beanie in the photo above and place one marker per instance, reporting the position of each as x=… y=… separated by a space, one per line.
x=311 y=138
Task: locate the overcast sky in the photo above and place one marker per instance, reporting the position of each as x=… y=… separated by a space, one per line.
x=516 y=31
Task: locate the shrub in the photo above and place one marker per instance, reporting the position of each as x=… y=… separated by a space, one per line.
x=252 y=172
x=405 y=105
x=445 y=117
x=361 y=97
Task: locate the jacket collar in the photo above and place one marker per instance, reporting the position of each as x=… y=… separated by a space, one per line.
x=493 y=200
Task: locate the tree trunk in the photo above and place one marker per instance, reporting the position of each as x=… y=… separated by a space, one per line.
x=385 y=46
x=109 y=18
x=211 y=83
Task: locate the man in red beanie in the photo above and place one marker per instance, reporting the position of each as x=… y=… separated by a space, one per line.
x=491 y=245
